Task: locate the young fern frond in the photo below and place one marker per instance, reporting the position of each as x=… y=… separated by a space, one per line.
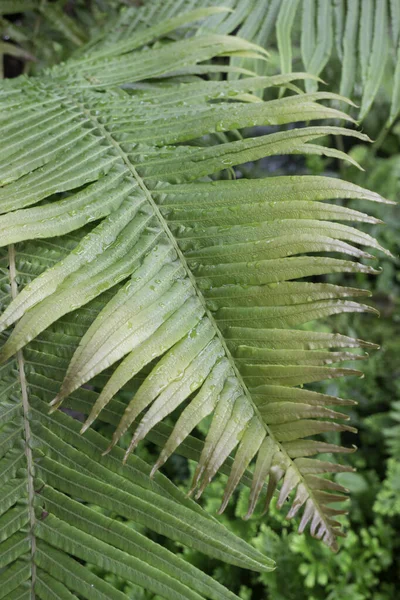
x=190 y=288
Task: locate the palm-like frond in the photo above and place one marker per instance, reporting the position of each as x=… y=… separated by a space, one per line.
x=186 y=284
x=63 y=505
x=358 y=38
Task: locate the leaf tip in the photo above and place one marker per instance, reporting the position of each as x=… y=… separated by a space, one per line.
x=84 y=427
x=108 y=449
x=55 y=404
x=154 y=469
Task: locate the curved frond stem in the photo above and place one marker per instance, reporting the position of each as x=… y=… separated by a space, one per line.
x=30 y=469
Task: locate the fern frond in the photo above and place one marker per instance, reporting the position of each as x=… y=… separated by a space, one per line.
x=195 y=283
x=360 y=39
x=59 y=496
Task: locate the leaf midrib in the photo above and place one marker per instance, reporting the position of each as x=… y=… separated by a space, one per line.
x=124 y=157
x=173 y=241
x=27 y=430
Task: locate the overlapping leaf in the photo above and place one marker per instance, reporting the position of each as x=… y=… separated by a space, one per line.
x=60 y=498
x=358 y=38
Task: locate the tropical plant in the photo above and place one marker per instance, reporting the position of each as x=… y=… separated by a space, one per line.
x=353 y=42
x=140 y=285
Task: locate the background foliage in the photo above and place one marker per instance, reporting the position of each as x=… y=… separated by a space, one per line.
x=368 y=564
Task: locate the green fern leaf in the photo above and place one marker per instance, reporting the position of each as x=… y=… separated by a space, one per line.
x=365 y=34
x=58 y=493
x=356 y=38
x=183 y=290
